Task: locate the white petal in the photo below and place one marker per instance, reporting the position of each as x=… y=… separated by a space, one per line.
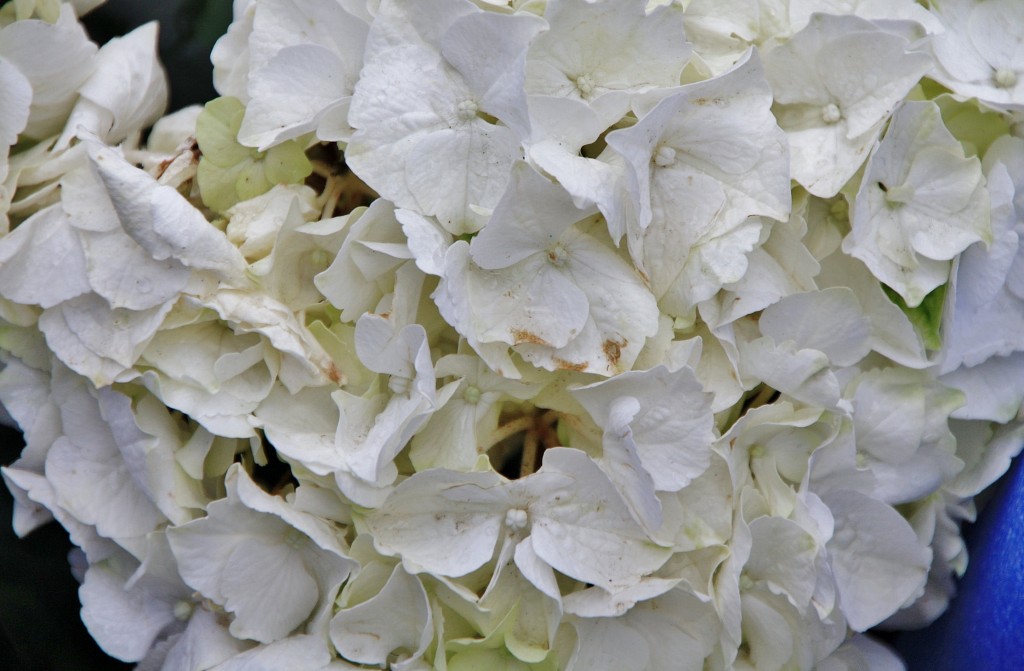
x=395 y=621
x=42 y=261
x=621 y=463
x=605 y=43
x=824 y=65
x=93 y=483
x=96 y=341
x=843 y=337
x=582 y=528
x=920 y=204
x=285 y=595
x=607 y=644
x=56 y=59
x=14 y=109
x=442 y=522
x=290 y=94
x=994 y=389
x=672 y=427
x=878 y=561
x=126 y=93
x=162 y=221
x=496 y=81
x=530 y=218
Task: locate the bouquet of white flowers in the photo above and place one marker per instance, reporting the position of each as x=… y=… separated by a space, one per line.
x=482 y=335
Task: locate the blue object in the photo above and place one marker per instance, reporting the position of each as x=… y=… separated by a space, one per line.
x=983 y=630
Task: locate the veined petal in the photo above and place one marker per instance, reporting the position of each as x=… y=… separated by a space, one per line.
x=582 y=528
x=878 y=561
x=442 y=522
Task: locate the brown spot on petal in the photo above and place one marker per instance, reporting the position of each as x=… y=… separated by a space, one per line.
x=335 y=375
x=162 y=168
x=613 y=350
x=524 y=336
x=562 y=364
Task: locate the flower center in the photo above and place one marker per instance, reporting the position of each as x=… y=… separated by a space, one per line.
x=899 y=195
x=665 y=156
x=399 y=385
x=516 y=518
x=830 y=113
x=558 y=254
x=468 y=109
x=585 y=85
x=182 y=610
x=320 y=259
x=1005 y=78
x=471 y=395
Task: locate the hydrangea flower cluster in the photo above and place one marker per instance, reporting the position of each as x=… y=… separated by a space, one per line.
x=565 y=335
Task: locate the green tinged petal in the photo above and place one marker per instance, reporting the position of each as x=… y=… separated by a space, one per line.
x=230 y=172
x=926 y=317
x=975 y=127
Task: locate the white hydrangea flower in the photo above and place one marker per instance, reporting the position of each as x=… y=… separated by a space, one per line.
x=878 y=561
x=56 y=59
x=921 y=203
x=722 y=32
x=591 y=52
x=369 y=633
x=982 y=348
x=305 y=86
x=562 y=514
x=835 y=84
x=541 y=278
x=978 y=52
x=657 y=434
x=701 y=161
x=362 y=271
x=126 y=91
x=465 y=114
x=253 y=538
x=456 y=434
x=131 y=607
x=203 y=369
x=634 y=363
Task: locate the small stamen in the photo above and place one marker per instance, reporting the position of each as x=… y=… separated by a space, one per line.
x=517 y=518
x=585 y=85
x=557 y=254
x=468 y=110
x=899 y=195
x=183 y=610
x=665 y=156
x=1005 y=78
x=471 y=395
x=399 y=385
x=830 y=113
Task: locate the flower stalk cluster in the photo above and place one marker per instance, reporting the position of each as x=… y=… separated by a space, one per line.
x=562 y=335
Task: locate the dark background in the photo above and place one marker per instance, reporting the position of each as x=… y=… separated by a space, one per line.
x=40 y=628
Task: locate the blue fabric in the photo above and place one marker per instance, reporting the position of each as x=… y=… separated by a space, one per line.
x=983 y=630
